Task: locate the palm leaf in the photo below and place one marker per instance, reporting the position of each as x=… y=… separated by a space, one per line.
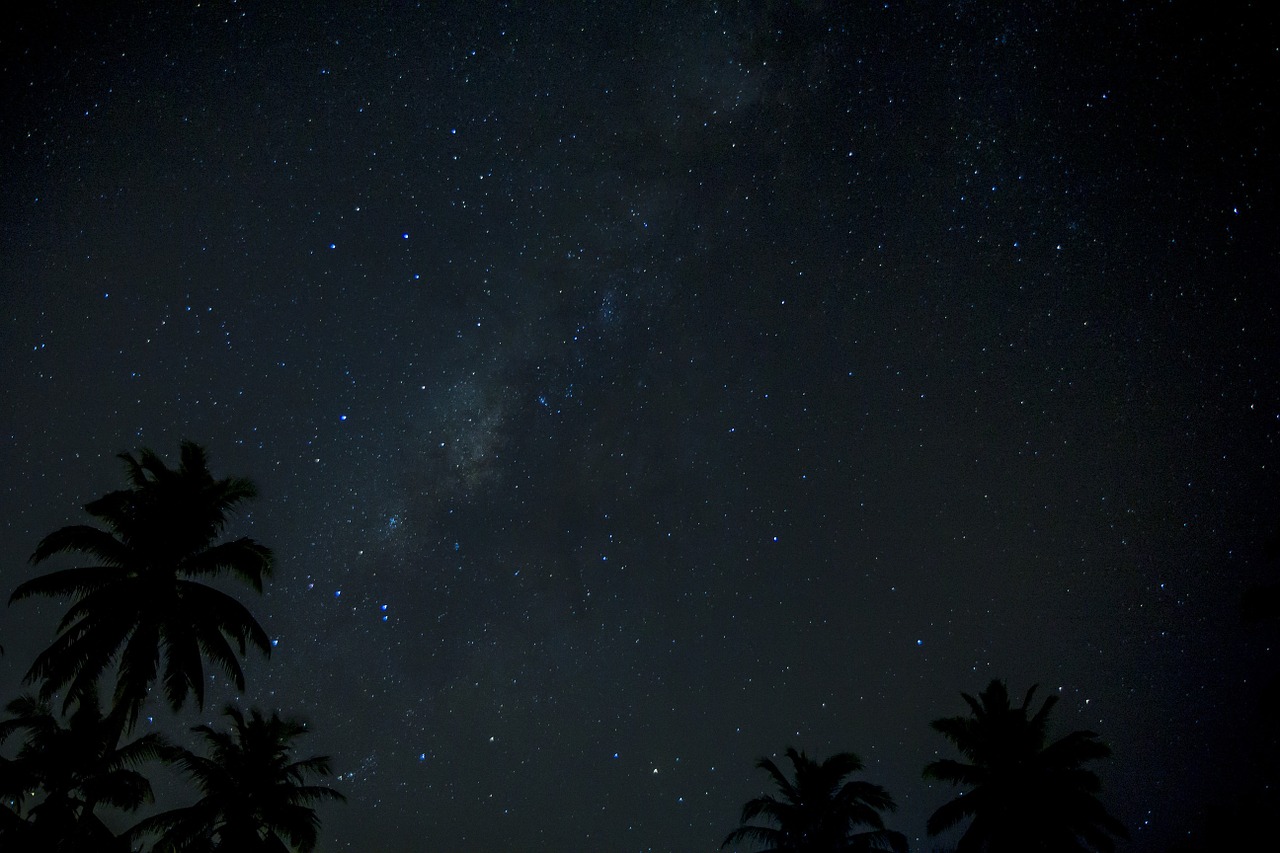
x=767 y=835
x=880 y=839
x=82 y=539
x=244 y=558
x=67 y=583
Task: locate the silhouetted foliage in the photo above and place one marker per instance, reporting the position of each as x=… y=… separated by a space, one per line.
x=1023 y=795
x=143 y=607
x=818 y=812
x=62 y=774
x=254 y=797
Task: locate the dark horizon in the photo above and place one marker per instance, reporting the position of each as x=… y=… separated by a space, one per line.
x=635 y=390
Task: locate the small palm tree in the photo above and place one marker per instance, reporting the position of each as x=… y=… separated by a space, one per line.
x=1023 y=795
x=145 y=602
x=69 y=771
x=819 y=812
x=254 y=797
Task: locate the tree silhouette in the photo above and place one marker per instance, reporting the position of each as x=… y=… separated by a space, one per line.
x=819 y=812
x=67 y=772
x=1023 y=795
x=254 y=797
x=144 y=604
x=15 y=831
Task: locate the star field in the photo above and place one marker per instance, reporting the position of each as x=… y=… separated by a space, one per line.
x=638 y=389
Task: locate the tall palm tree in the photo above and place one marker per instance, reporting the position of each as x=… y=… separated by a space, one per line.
x=819 y=812
x=1024 y=794
x=255 y=798
x=144 y=608
x=69 y=771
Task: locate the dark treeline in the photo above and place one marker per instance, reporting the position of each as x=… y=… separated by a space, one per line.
x=142 y=617
x=1019 y=792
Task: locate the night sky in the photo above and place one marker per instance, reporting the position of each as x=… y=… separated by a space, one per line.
x=636 y=389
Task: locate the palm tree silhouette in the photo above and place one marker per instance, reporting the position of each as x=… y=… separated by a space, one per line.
x=254 y=797
x=1023 y=795
x=819 y=812
x=69 y=771
x=145 y=601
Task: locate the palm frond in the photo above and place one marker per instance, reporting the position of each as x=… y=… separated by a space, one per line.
x=880 y=839
x=194 y=460
x=176 y=827
x=70 y=583
x=779 y=778
x=127 y=790
x=840 y=765
x=78 y=657
x=979 y=709
x=116 y=598
x=318 y=765
x=244 y=558
x=1041 y=719
x=138 y=664
x=767 y=835
x=952 y=813
x=219 y=652
x=305 y=795
x=149 y=747
x=83 y=539
x=873 y=796
x=958 y=730
x=949 y=770
x=767 y=807
x=1074 y=749
x=183 y=667
x=232 y=618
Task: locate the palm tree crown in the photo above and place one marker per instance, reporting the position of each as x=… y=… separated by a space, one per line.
x=144 y=602
x=1023 y=795
x=255 y=798
x=818 y=812
x=73 y=769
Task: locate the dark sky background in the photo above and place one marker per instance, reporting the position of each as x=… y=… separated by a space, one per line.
x=636 y=389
